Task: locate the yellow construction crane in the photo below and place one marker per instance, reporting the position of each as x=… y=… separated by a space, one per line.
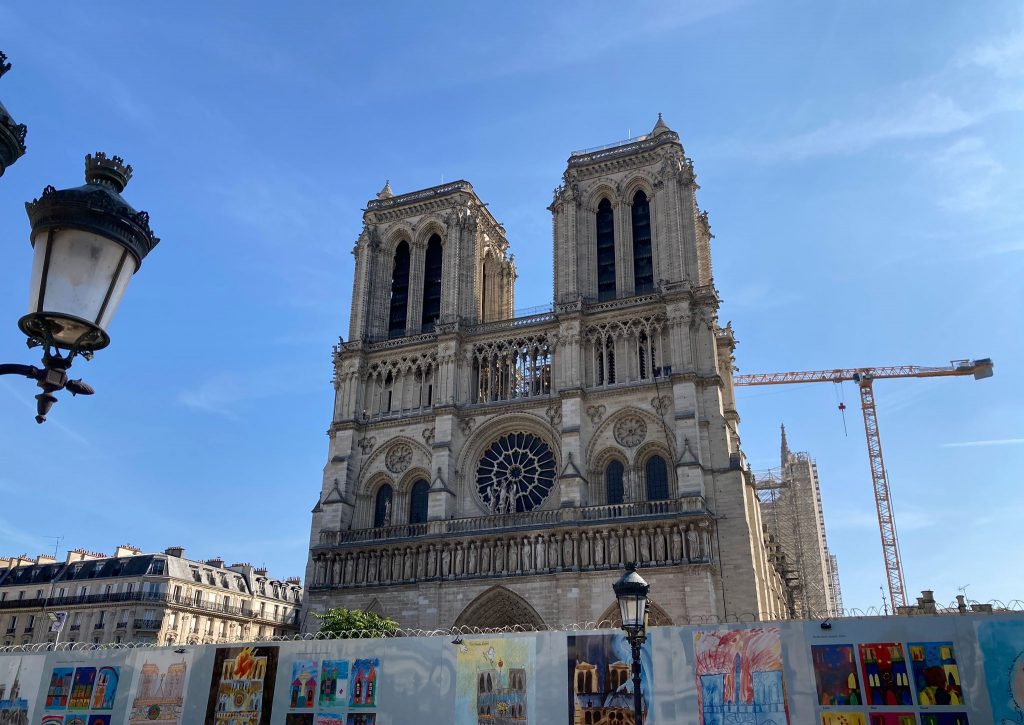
x=865 y=377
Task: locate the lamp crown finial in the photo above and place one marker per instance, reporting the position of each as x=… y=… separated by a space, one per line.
x=4 y=65
x=107 y=171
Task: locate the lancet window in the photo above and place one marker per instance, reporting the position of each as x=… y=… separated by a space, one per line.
x=605 y=251
x=656 y=474
x=643 y=261
x=399 y=385
x=512 y=369
x=418 y=502
x=382 y=506
x=613 y=483
x=432 y=283
x=399 y=292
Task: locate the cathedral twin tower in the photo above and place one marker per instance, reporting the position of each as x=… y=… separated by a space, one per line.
x=490 y=470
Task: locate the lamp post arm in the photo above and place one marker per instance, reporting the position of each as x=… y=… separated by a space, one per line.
x=29 y=371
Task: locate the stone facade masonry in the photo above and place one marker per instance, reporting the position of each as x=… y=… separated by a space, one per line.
x=497 y=470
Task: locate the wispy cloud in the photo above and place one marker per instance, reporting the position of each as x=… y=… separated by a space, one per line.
x=224 y=393
x=980 y=176
x=992 y=442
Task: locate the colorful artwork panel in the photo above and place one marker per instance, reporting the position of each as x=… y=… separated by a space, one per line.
x=835 y=674
x=369 y=718
x=600 y=679
x=494 y=681
x=105 y=690
x=943 y=718
x=936 y=675
x=302 y=690
x=333 y=676
x=242 y=686
x=1002 y=644
x=99 y=720
x=81 y=688
x=19 y=683
x=842 y=718
x=893 y=718
x=299 y=718
x=59 y=689
x=886 y=678
x=363 y=687
x=739 y=676
x=330 y=718
x=159 y=688
x=52 y=720
x=74 y=720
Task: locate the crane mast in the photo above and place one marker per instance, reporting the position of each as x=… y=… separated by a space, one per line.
x=864 y=377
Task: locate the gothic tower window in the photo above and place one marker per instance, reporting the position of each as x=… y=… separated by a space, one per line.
x=432 y=283
x=418 y=501
x=605 y=251
x=382 y=506
x=399 y=291
x=657 y=478
x=643 y=262
x=605 y=362
x=613 y=482
x=646 y=354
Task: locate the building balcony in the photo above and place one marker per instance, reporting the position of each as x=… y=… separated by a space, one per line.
x=75 y=627
x=99 y=625
x=122 y=625
x=149 y=625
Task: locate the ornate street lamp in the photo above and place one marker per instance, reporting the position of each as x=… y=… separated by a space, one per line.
x=12 y=135
x=631 y=591
x=88 y=243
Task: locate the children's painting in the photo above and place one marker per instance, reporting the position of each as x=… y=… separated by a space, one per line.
x=842 y=718
x=299 y=718
x=81 y=688
x=99 y=720
x=52 y=720
x=159 y=688
x=333 y=680
x=943 y=718
x=369 y=718
x=739 y=677
x=1002 y=644
x=242 y=686
x=105 y=689
x=886 y=679
x=59 y=688
x=363 y=685
x=303 y=690
x=600 y=680
x=494 y=681
x=330 y=718
x=19 y=683
x=936 y=676
x=75 y=720
x=893 y=718
x=835 y=674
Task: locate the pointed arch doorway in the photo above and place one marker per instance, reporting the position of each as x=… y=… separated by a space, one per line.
x=497 y=608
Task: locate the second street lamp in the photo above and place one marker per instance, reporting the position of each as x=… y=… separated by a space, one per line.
x=88 y=243
x=631 y=591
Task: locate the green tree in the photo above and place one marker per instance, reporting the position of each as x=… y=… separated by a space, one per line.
x=347 y=623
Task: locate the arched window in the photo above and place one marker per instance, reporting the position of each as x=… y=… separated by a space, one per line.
x=605 y=251
x=613 y=482
x=382 y=506
x=418 y=501
x=432 y=283
x=643 y=262
x=399 y=292
x=657 y=479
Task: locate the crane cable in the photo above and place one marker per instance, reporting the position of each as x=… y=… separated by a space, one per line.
x=840 y=392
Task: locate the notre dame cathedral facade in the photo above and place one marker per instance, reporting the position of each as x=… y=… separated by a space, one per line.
x=486 y=469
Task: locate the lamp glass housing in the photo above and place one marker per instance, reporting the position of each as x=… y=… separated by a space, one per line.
x=633 y=608
x=78 y=280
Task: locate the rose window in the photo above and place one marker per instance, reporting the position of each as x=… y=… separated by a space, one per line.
x=515 y=474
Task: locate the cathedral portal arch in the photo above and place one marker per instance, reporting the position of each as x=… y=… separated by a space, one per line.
x=498 y=608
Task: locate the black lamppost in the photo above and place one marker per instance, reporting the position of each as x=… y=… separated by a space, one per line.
x=88 y=243
x=631 y=591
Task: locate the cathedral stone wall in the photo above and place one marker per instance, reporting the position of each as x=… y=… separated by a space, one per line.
x=529 y=458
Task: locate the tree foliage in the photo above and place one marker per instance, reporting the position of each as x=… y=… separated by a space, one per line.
x=346 y=623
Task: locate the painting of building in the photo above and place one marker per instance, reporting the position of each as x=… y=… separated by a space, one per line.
x=886 y=680
x=105 y=689
x=242 y=686
x=493 y=680
x=739 y=677
x=943 y=718
x=936 y=675
x=19 y=682
x=360 y=718
x=1002 y=644
x=158 y=693
x=81 y=688
x=59 y=689
x=835 y=675
x=363 y=690
x=600 y=680
x=333 y=678
x=303 y=690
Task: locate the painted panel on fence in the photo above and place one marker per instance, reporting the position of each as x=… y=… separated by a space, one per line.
x=893 y=718
x=842 y=718
x=495 y=681
x=739 y=677
x=160 y=686
x=59 y=689
x=600 y=679
x=19 y=686
x=1002 y=644
x=944 y=718
x=363 y=683
x=242 y=685
x=835 y=675
x=936 y=675
x=886 y=679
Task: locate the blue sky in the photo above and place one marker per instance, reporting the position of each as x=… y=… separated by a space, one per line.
x=861 y=163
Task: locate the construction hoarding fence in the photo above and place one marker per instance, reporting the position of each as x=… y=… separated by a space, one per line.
x=919 y=670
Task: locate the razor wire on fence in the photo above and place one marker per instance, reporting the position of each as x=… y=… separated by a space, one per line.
x=991 y=607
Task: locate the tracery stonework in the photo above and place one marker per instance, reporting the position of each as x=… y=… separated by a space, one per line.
x=399 y=457
x=547 y=473
x=630 y=431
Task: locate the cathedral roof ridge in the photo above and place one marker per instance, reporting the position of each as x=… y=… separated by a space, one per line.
x=450 y=187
